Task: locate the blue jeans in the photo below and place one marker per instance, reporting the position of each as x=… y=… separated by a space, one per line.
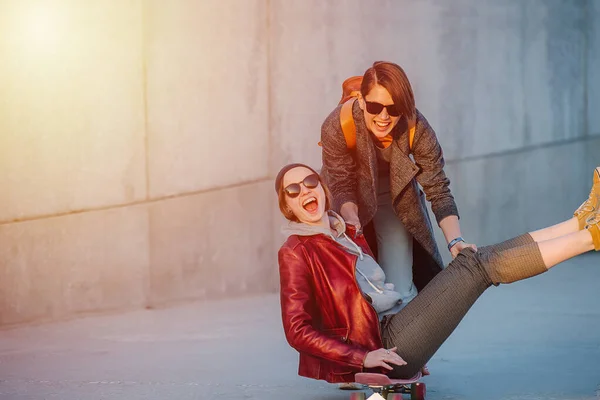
x=394 y=245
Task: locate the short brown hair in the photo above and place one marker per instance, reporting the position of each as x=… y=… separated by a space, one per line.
x=287 y=213
x=395 y=81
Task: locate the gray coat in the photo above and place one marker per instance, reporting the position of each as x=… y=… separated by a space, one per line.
x=352 y=176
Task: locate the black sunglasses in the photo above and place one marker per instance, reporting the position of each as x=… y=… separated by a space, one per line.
x=294 y=189
x=376 y=108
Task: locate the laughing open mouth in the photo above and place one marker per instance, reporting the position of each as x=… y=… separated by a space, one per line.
x=310 y=204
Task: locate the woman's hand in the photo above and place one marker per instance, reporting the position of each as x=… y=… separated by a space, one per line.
x=451 y=229
x=454 y=250
x=382 y=358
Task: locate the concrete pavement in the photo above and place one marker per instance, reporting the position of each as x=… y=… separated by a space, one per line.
x=537 y=339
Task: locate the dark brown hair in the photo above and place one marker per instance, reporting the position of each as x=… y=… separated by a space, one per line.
x=395 y=81
x=287 y=213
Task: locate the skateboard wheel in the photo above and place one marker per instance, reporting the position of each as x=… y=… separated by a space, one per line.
x=358 y=396
x=417 y=391
x=394 y=396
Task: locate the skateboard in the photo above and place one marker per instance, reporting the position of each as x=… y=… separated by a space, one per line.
x=390 y=389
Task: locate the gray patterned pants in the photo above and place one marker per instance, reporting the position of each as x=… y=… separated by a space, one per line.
x=419 y=329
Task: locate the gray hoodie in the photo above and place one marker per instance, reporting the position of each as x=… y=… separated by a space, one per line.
x=369 y=275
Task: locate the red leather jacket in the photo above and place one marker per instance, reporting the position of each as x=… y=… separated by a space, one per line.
x=325 y=315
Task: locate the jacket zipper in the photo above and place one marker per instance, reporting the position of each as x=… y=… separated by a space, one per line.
x=365 y=300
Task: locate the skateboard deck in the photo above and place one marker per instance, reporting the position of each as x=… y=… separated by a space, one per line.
x=389 y=389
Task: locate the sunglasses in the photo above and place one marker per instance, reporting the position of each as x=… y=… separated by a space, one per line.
x=376 y=108
x=294 y=189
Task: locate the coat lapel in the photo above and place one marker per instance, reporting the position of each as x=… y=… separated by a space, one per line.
x=402 y=165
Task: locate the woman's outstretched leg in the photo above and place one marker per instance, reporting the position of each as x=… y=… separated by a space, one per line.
x=552 y=232
x=555 y=251
x=420 y=328
x=561 y=242
x=577 y=223
x=424 y=324
x=546 y=234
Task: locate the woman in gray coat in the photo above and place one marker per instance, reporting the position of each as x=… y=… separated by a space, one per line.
x=379 y=182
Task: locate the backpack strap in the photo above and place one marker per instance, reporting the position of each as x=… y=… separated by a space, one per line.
x=347 y=123
x=411 y=137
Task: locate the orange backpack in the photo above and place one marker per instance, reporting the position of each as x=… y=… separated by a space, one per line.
x=350 y=92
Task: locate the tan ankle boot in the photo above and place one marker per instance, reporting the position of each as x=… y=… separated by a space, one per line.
x=593 y=226
x=592 y=204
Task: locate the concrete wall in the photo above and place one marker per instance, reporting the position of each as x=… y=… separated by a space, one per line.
x=134 y=155
x=138 y=139
x=208 y=123
x=72 y=159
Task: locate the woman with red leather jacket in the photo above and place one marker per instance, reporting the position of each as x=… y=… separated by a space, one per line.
x=342 y=317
